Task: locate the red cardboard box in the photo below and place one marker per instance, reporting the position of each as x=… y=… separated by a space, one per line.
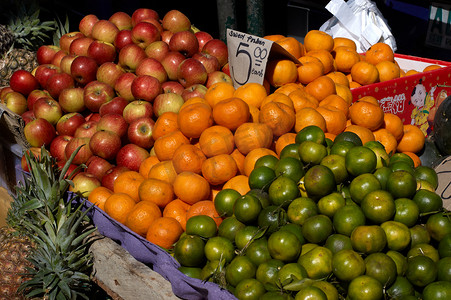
x=413 y=98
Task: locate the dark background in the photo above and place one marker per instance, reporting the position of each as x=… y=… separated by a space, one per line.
x=294 y=17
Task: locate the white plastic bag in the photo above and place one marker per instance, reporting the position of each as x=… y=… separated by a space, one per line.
x=360 y=21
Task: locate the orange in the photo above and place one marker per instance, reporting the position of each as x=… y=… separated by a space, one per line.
x=337 y=102
x=239 y=183
x=411 y=72
x=325 y=57
x=274 y=37
x=339 y=78
x=309 y=71
x=188 y=157
x=216 y=140
x=166 y=145
x=369 y=99
x=99 y=195
x=280 y=72
x=335 y=118
x=278 y=97
x=431 y=68
x=252 y=156
x=354 y=84
x=364 y=73
x=301 y=99
x=193 y=100
x=141 y=216
x=250 y=136
x=157 y=191
x=148 y=163
x=344 y=92
x=345 y=58
x=163 y=170
x=414 y=157
x=231 y=112
x=118 y=206
x=321 y=87
x=254 y=114
x=194 y=119
x=330 y=136
x=364 y=133
x=239 y=160
x=344 y=42
x=288 y=88
x=177 y=209
x=316 y=39
x=165 y=123
x=386 y=139
x=128 y=183
x=204 y=207
x=252 y=93
x=191 y=187
x=388 y=70
x=394 y=124
x=379 y=52
x=219 y=91
x=292 y=46
x=278 y=116
x=284 y=140
x=412 y=140
x=309 y=116
x=366 y=114
x=164 y=232
x=219 y=168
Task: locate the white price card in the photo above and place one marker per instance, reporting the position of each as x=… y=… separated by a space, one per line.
x=248 y=55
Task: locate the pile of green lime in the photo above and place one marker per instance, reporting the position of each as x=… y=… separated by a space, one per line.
x=326 y=220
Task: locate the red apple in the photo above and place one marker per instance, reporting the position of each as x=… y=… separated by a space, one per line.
x=68 y=123
x=24 y=82
x=87 y=129
x=171 y=62
x=83 y=154
x=191 y=71
x=71 y=99
x=157 y=50
x=140 y=132
x=195 y=90
x=175 y=21
x=113 y=122
x=109 y=72
x=123 y=86
x=105 y=144
x=152 y=67
x=16 y=102
x=3 y=91
x=145 y=87
x=115 y=106
x=172 y=87
x=210 y=62
x=84 y=183
x=166 y=36
x=122 y=20
x=45 y=54
x=156 y=23
x=67 y=38
x=66 y=62
x=184 y=42
x=167 y=102
x=56 y=61
x=86 y=23
x=217 y=76
x=137 y=109
x=98 y=166
x=35 y=95
x=28 y=116
x=58 y=82
x=142 y=14
x=33 y=152
x=102 y=52
x=145 y=33
x=104 y=30
x=111 y=175
x=58 y=146
x=97 y=93
x=217 y=48
x=123 y=38
x=203 y=37
x=84 y=69
x=131 y=156
x=94 y=117
x=130 y=56
x=80 y=46
x=39 y=132
x=226 y=69
x=49 y=109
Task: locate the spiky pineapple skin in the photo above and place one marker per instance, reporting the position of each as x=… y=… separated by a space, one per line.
x=16 y=59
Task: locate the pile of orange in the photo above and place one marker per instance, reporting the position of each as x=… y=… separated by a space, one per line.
x=213 y=142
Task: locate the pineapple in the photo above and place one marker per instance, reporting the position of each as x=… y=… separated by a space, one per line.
x=23 y=34
x=44 y=248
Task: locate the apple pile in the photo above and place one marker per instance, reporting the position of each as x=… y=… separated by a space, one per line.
x=103 y=87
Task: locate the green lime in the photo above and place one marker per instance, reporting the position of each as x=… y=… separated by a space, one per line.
x=311 y=133
x=261 y=178
x=360 y=160
x=348 y=136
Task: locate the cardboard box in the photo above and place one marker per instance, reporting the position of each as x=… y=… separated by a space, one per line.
x=413 y=98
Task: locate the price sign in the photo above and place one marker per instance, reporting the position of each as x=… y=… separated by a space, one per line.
x=248 y=55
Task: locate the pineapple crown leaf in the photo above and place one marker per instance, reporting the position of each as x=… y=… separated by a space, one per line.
x=61 y=29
